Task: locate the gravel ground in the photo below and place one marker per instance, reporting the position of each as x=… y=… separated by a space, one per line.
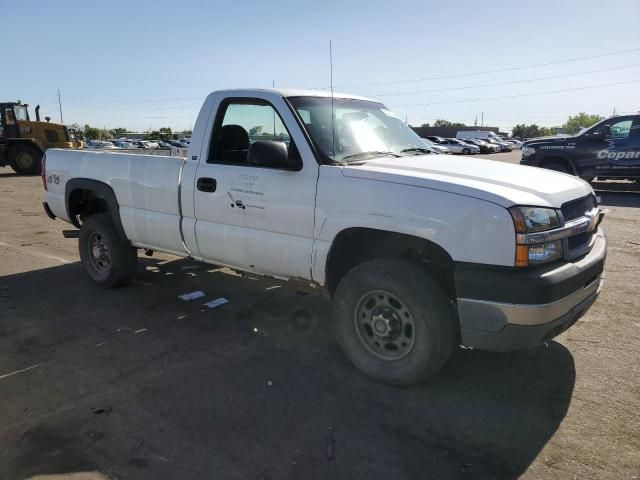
x=135 y=384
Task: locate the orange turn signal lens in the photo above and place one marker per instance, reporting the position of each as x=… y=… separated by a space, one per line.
x=522 y=255
x=518 y=220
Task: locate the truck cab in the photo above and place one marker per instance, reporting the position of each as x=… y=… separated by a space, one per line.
x=609 y=149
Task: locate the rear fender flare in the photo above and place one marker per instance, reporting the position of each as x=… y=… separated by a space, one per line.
x=102 y=191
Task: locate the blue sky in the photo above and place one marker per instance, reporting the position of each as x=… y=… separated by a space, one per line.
x=147 y=64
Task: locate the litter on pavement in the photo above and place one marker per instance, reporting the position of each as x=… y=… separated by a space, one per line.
x=191 y=295
x=216 y=303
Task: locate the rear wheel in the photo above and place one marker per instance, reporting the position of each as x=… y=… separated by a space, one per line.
x=107 y=258
x=394 y=321
x=25 y=159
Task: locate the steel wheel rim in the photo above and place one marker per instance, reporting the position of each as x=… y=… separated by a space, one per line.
x=24 y=160
x=99 y=253
x=384 y=325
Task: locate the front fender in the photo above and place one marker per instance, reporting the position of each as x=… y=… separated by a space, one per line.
x=467 y=229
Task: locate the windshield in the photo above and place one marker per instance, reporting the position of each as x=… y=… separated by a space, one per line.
x=21 y=113
x=361 y=128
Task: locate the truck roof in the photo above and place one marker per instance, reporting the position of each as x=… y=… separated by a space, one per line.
x=292 y=92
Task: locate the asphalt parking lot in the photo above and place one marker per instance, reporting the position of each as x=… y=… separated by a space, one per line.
x=134 y=383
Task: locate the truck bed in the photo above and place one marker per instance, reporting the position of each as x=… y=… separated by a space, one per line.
x=146 y=188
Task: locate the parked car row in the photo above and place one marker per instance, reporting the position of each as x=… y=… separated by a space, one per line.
x=126 y=144
x=489 y=137
x=470 y=143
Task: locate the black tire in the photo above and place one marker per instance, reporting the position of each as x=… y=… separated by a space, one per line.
x=433 y=334
x=108 y=259
x=556 y=166
x=466 y=151
x=25 y=159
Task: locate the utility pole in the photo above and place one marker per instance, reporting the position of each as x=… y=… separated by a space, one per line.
x=614 y=111
x=482 y=120
x=273 y=85
x=60 y=105
x=475 y=122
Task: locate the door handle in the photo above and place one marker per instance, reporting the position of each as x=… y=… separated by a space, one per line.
x=206 y=184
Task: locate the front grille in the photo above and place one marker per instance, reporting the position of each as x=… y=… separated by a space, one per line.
x=577 y=208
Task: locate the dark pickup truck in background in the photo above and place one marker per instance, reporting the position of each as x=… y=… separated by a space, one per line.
x=610 y=149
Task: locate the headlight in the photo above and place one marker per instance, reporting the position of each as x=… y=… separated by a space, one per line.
x=528 y=220
x=534 y=219
x=527 y=151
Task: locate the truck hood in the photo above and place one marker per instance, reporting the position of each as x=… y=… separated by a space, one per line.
x=498 y=182
x=551 y=139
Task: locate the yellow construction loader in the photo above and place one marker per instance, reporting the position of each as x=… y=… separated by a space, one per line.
x=23 y=142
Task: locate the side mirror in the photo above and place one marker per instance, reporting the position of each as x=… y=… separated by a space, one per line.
x=271 y=154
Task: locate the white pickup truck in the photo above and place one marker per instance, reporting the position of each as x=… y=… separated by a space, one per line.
x=420 y=252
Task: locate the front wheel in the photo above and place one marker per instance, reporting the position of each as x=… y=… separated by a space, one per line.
x=25 y=160
x=466 y=151
x=394 y=321
x=107 y=258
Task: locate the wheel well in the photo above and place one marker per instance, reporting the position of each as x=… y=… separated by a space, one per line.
x=354 y=246
x=82 y=203
x=561 y=160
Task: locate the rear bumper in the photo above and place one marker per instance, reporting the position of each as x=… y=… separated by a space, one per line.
x=503 y=310
x=48 y=211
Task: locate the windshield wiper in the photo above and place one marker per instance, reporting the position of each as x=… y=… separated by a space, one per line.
x=417 y=149
x=375 y=153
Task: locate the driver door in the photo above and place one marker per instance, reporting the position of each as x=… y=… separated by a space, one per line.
x=618 y=153
x=252 y=217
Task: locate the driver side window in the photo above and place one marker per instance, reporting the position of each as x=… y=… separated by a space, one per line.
x=620 y=129
x=240 y=124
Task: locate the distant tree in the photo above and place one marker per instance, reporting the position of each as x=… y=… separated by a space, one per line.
x=425 y=125
x=165 y=132
x=581 y=120
x=255 y=131
x=77 y=129
x=91 y=133
x=525 y=131
x=446 y=123
x=118 y=132
x=530 y=131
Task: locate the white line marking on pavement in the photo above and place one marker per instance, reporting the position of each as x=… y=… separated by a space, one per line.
x=18 y=371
